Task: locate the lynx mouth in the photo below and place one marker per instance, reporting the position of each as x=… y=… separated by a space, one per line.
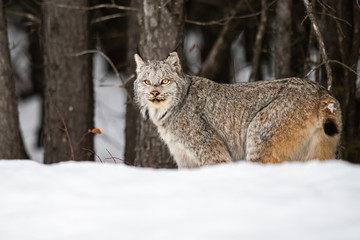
x=156 y=100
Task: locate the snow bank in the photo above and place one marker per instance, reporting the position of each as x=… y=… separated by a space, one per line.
x=86 y=201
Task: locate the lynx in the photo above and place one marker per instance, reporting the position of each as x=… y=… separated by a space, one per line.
x=206 y=123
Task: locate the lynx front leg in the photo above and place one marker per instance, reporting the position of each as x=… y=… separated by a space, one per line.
x=215 y=153
x=208 y=149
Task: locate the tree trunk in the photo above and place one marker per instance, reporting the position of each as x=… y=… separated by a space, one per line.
x=256 y=61
x=283 y=39
x=69 y=104
x=349 y=51
x=11 y=145
x=132 y=113
x=161 y=31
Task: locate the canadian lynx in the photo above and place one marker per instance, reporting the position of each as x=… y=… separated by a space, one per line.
x=205 y=123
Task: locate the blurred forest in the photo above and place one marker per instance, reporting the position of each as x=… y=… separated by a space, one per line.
x=227 y=41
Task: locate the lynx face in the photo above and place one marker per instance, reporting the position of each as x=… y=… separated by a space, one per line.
x=159 y=86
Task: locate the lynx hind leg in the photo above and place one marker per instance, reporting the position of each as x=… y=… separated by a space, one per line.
x=280 y=132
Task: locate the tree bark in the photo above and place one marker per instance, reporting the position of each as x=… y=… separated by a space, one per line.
x=161 y=31
x=132 y=113
x=69 y=104
x=349 y=46
x=11 y=144
x=283 y=39
x=254 y=75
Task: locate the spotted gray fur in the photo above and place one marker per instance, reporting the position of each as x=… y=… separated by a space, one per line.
x=205 y=123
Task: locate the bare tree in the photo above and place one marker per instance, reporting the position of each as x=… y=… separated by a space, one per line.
x=69 y=100
x=161 y=30
x=11 y=145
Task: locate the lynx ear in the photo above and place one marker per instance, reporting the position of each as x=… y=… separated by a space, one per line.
x=174 y=61
x=139 y=62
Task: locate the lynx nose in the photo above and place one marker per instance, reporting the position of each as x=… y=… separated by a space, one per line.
x=155 y=93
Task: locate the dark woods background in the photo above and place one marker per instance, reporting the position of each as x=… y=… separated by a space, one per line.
x=276 y=36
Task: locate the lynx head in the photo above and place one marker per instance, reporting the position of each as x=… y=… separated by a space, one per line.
x=160 y=86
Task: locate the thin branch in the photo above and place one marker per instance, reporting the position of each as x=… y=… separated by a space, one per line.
x=221 y=21
x=23 y=39
x=81 y=139
x=164 y=4
x=224 y=21
x=320 y=42
x=93 y=152
x=28 y=16
x=112 y=157
x=62 y=118
x=99 y=6
x=98 y=50
x=108 y=17
x=332 y=61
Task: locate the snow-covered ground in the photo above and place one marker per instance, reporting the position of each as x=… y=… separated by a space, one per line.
x=85 y=201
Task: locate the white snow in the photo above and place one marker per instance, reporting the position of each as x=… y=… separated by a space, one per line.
x=85 y=201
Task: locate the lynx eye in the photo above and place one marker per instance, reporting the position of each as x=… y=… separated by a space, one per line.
x=147 y=82
x=165 y=81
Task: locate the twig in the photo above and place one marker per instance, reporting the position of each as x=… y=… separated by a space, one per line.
x=118 y=85
x=164 y=4
x=28 y=16
x=23 y=39
x=98 y=50
x=320 y=42
x=65 y=129
x=93 y=152
x=258 y=42
x=153 y=154
x=111 y=156
x=81 y=139
x=332 y=61
x=224 y=21
x=122 y=160
x=116 y=158
x=108 y=17
x=99 y=6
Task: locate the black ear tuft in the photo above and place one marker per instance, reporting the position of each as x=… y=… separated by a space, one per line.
x=138 y=51
x=177 y=48
x=174 y=61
